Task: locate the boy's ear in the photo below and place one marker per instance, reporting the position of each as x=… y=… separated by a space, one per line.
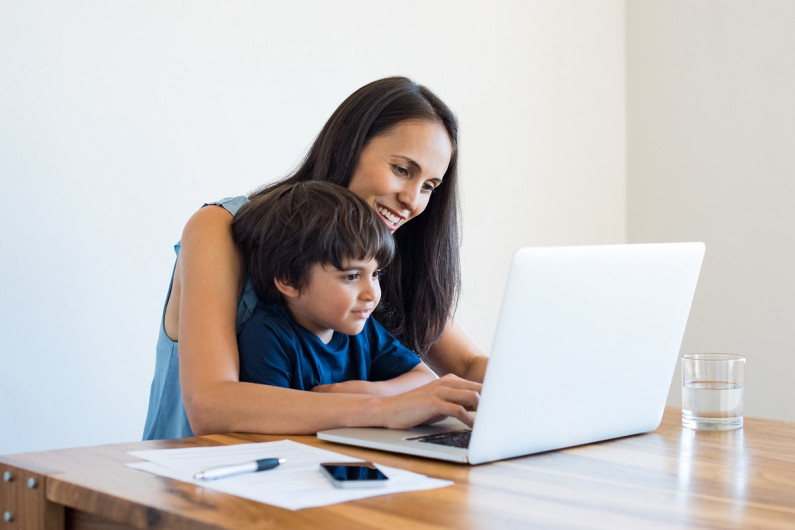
x=285 y=288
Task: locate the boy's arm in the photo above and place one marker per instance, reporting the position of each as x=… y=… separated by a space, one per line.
x=417 y=376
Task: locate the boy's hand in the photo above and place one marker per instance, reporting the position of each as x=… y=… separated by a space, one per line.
x=347 y=387
x=417 y=376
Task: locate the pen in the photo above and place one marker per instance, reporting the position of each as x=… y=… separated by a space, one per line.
x=237 y=469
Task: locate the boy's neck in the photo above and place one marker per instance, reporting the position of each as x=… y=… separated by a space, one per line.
x=325 y=335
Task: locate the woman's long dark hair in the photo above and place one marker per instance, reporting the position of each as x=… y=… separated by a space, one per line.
x=421 y=287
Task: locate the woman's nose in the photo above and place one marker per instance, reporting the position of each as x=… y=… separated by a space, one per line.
x=409 y=196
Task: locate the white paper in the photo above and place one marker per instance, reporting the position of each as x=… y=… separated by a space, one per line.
x=296 y=484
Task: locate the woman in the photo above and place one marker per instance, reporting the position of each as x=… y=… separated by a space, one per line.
x=393 y=143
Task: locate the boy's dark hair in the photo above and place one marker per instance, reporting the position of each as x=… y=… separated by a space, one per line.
x=421 y=288
x=285 y=232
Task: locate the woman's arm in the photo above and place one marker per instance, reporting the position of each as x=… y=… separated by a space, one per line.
x=455 y=353
x=210 y=275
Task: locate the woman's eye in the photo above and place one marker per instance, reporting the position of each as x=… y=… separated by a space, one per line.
x=400 y=170
x=429 y=186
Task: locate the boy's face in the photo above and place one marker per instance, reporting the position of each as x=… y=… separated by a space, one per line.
x=337 y=299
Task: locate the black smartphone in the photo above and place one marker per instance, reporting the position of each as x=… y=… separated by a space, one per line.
x=353 y=474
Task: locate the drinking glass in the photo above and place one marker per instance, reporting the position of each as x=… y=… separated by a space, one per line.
x=712 y=391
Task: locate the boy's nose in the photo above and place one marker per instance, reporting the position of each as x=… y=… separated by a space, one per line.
x=370 y=290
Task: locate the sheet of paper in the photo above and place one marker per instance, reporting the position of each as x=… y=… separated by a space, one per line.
x=296 y=484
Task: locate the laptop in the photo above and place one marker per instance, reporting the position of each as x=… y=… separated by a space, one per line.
x=584 y=351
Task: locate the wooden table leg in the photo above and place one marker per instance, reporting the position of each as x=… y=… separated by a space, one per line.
x=23 y=501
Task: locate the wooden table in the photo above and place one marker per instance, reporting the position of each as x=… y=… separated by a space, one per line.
x=673 y=477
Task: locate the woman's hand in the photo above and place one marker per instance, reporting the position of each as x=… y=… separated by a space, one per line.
x=448 y=396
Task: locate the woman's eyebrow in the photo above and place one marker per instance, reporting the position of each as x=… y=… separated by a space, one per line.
x=410 y=161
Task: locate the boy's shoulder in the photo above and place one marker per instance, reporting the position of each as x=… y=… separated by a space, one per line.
x=270 y=313
x=268 y=318
x=374 y=327
x=269 y=328
x=377 y=336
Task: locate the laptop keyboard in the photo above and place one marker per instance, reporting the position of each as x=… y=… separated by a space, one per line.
x=451 y=438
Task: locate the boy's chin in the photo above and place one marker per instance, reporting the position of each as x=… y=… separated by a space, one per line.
x=352 y=330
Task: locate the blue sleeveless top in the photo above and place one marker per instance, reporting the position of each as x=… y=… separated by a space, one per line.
x=166 y=417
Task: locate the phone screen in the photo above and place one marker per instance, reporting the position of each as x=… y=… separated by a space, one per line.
x=353 y=474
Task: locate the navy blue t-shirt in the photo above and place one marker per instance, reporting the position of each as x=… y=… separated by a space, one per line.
x=275 y=350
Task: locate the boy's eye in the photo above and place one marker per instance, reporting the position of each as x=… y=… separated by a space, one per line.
x=351 y=277
x=377 y=274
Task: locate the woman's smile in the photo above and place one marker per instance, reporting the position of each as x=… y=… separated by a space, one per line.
x=391 y=219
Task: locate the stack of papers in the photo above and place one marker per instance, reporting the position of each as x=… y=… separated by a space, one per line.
x=296 y=484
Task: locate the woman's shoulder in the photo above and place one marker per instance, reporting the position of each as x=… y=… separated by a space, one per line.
x=207 y=239
x=230 y=204
x=205 y=220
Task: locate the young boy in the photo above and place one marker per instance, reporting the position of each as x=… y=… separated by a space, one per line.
x=313 y=253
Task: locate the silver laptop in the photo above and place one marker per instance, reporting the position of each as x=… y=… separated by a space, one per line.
x=584 y=351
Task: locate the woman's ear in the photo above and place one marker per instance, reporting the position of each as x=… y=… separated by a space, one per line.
x=286 y=289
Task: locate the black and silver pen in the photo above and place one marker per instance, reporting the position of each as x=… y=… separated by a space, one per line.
x=237 y=469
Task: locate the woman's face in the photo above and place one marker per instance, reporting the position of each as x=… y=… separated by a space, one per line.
x=397 y=171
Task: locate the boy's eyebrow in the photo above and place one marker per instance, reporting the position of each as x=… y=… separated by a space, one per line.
x=352 y=267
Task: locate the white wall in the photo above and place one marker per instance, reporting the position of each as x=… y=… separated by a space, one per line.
x=118 y=119
x=711 y=136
